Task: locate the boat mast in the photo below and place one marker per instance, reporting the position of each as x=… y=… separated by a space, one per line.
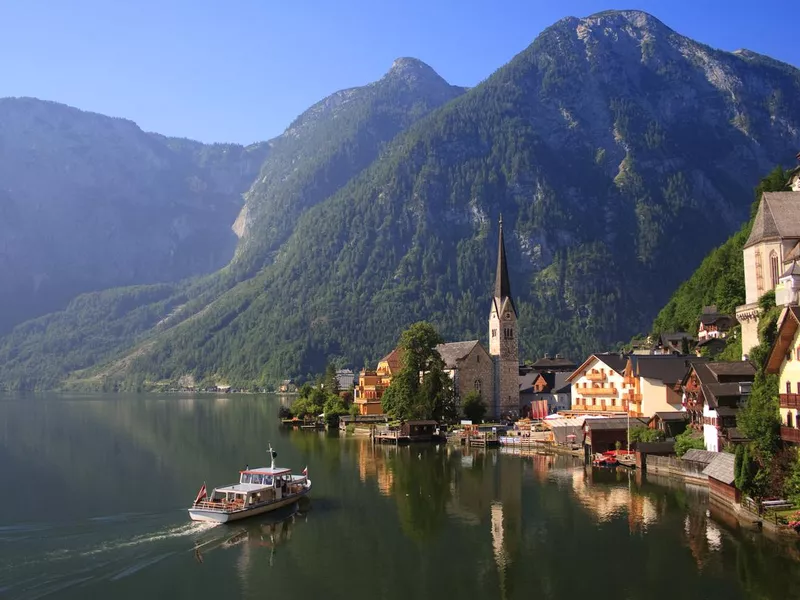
x=271 y=457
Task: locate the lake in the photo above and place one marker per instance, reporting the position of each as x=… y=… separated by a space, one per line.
x=94 y=491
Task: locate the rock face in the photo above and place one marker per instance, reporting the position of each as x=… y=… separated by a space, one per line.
x=618 y=152
x=89 y=202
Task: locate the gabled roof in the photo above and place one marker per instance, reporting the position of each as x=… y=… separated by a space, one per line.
x=721 y=468
x=710 y=319
x=700 y=456
x=553 y=363
x=727 y=369
x=793 y=270
x=778 y=218
x=790 y=319
x=673 y=415
x=616 y=362
x=794 y=254
x=668 y=369
x=614 y=423
x=453 y=352
x=394 y=359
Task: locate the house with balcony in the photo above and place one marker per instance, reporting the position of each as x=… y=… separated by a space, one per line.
x=713 y=324
x=653 y=383
x=784 y=361
x=597 y=386
x=713 y=392
x=371 y=385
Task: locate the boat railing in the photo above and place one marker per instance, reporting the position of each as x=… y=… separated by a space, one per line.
x=222 y=505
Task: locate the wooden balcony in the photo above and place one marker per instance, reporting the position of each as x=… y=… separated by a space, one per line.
x=631 y=397
x=596 y=376
x=790 y=434
x=790 y=400
x=596 y=391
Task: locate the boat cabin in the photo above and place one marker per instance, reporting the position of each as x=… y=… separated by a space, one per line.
x=256 y=486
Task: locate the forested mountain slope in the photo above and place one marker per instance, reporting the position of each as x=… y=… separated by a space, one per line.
x=619 y=154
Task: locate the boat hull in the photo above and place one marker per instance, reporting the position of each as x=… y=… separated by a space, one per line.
x=221 y=516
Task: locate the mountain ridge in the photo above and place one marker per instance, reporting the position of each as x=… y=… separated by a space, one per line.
x=605 y=148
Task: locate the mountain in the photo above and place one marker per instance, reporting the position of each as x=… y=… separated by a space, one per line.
x=328 y=145
x=719 y=280
x=320 y=151
x=89 y=202
x=618 y=152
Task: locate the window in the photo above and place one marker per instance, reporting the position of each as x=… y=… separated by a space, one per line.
x=788 y=387
x=789 y=420
x=478 y=358
x=478 y=385
x=494 y=332
x=773 y=268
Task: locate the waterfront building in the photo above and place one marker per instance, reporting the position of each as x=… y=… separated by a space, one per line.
x=784 y=361
x=653 y=383
x=345 y=379
x=713 y=392
x=713 y=324
x=372 y=384
x=598 y=385
x=494 y=374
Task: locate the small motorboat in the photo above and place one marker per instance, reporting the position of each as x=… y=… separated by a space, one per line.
x=259 y=490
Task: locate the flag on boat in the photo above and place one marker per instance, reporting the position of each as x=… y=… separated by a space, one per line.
x=305 y=471
x=201 y=494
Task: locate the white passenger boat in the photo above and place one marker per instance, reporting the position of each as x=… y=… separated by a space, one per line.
x=259 y=490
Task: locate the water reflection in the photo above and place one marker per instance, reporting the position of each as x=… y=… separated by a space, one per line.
x=420 y=521
x=257 y=533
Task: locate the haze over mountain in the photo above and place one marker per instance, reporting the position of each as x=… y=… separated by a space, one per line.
x=618 y=151
x=89 y=202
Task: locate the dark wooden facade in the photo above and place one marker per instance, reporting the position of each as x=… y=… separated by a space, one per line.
x=723 y=491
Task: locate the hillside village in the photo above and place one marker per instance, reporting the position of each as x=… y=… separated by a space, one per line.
x=674 y=385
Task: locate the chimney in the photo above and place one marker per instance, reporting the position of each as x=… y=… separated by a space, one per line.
x=559 y=356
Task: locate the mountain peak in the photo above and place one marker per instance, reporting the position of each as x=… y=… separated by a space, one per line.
x=412 y=69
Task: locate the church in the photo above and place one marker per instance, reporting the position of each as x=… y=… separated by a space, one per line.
x=493 y=374
x=770 y=257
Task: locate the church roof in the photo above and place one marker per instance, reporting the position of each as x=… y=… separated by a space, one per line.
x=454 y=351
x=778 y=218
x=502 y=283
x=794 y=254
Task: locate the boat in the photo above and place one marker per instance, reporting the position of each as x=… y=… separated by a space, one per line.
x=258 y=491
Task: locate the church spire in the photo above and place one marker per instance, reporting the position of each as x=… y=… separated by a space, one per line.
x=502 y=285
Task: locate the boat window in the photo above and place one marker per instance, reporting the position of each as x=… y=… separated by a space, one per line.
x=268 y=480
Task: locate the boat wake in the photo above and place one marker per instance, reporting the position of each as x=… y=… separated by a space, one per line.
x=188 y=529
x=78 y=558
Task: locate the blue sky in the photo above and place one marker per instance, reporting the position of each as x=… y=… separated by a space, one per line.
x=241 y=70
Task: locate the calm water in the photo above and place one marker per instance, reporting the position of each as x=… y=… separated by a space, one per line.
x=93 y=494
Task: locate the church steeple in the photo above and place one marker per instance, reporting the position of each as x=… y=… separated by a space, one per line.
x=502 y=283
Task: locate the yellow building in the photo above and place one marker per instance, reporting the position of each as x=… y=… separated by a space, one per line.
x=784 y=360
x=372 y=384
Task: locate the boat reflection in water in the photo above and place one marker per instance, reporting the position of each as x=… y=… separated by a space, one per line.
x=268 y=531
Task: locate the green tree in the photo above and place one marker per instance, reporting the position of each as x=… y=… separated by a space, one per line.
x=688 y=440
x=792 y=482
x=421 y=390
x=329 y=382
x=473 y=407
x=645 y=434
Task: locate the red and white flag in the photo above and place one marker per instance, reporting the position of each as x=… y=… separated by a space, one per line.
x=201 y=494
x=305 y=471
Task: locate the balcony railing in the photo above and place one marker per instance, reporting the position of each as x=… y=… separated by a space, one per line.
x=596 y=376
x=790 y=400
x=597 y=391
x=631 y=397
x=790 y=434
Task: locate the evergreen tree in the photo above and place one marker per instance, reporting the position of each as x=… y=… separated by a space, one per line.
x=422 y=389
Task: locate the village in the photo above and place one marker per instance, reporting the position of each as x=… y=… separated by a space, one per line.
x=665 y=405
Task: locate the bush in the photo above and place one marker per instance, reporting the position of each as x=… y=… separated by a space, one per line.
x=473 y=407
x=688 y=440
x=645 y=434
